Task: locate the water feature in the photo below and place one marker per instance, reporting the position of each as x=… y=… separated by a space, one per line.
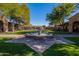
x=37 y=41
x=39 y=35
x=40 y=41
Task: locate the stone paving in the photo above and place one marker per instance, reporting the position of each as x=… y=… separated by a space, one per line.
x=69 y=35
x=38 y=45
x=62 y=40
x=11 y=35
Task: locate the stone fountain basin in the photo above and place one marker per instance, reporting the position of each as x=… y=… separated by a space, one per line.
x=41 y=36
x=39 y=43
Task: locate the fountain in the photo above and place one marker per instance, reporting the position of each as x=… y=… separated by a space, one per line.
x=39 y=32
x=39 y=35
x=40 y=41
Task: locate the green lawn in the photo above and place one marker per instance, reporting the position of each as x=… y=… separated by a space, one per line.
x=12 y=49
x=74 y=39
x=62 y=50
x=59 y=32
x=20 y=32
x=33 y=31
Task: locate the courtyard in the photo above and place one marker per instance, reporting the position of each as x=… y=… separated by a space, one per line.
x=24 y=31
x=45 y=45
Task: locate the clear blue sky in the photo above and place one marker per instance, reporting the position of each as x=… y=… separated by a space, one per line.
x=38 y=12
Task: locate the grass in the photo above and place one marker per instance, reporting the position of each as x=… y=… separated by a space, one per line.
x=21 y=32
x=62 y=50
x=33 y=31
x=59 y=32
x=45 y=31
x=2 y=39
x=74 y=39
x=12 y=49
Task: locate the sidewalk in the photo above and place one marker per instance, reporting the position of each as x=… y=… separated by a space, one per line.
x=62 y=40
x=69 y=35
x=11 y=35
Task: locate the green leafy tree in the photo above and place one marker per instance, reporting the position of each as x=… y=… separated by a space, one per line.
x=25 y=13
x=59 y=13
x=16 y=11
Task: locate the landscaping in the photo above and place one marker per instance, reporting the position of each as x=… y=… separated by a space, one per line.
x=62 y=50
x=19 y=32
x=24 y=31
x=60 y=32
x=12 y=49
x=74 y=39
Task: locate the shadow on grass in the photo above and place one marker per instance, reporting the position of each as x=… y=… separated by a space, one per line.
x=63 y=50
x=74 y=39
x=12 y=49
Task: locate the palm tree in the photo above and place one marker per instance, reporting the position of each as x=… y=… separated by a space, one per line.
x=59 y=13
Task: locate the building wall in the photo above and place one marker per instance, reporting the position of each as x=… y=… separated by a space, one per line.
x=73 y=19
x=6 y=26
x=5 y=23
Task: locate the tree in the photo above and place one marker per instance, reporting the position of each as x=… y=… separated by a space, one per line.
x=20 y=12
x=59 y=13
x=25 y=13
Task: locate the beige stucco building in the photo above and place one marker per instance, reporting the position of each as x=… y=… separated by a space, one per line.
x=3 y=24
x=7 y=24
x=72 y=25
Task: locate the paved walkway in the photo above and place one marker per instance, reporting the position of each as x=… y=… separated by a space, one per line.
x=69 y=35
x=61 y=39
x=11 y=35
x=44 y=43
x=38 y=45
